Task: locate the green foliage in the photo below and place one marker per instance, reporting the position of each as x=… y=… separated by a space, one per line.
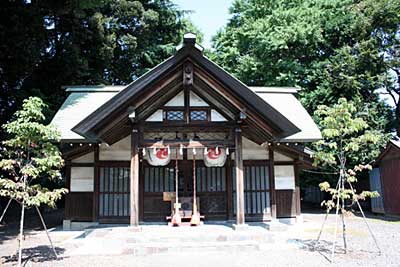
x=29 y=157
x=331 y=49
x=48 y=44
x=345 y=135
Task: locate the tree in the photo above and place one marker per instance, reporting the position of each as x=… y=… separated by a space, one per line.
x=344 y=149
x=330 y=49
x=30 y=158
x=48 y=44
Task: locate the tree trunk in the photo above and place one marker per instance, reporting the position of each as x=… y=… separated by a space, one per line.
x=21 y=235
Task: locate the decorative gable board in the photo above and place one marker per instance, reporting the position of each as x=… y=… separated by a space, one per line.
x=179 y=101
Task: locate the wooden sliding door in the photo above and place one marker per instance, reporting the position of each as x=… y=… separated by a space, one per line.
x=114 y=194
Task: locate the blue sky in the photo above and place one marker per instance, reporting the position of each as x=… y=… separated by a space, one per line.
x=208 y=15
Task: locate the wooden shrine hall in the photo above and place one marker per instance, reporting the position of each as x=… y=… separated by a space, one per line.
x=185 y=138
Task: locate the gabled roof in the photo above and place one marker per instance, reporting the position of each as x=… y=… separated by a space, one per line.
x=83 y=100
x=118 y=103
x=394 y=146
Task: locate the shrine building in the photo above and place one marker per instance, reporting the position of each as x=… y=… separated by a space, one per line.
x=185 y=132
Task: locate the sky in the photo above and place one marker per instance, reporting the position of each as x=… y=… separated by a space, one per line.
x=208 y=15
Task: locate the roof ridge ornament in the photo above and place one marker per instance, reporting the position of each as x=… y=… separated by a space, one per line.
x=189 y=38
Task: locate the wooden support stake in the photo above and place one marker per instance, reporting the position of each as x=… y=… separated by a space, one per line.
x=21 y=235
x=5 y=210
x=47 y=232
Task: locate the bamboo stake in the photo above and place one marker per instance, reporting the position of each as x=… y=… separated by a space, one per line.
x=323 y=224
x=343 y=223
x=336 y=219
x=4 y=212
x=47 y=232
x=21 y=232
x=365 y=220
x=344 y=234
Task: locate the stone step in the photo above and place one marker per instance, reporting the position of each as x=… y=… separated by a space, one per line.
x=182 y=237
x=192 y=247
x=116 y=247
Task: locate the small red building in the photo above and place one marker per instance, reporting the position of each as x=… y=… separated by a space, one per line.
x=385 y=178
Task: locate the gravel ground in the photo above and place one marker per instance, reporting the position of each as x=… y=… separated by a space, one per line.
x=293 y=247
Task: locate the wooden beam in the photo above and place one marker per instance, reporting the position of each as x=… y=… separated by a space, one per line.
x=187 y=128
x=240 y=220
x=186 y=143
x=272 y=182
x=134 y=179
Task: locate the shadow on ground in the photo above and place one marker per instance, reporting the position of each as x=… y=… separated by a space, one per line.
x=10 y=230
x=36 y=254
x=323 y=247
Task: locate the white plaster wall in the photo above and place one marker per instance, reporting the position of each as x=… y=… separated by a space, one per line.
x=156 y=116
x=120 y=151
x=216 y=116
x=87 y=158
x=196 y=101
x=177 y=101
x=82 y=179
x=284 y=177
x=280 y=157
x=253 y=151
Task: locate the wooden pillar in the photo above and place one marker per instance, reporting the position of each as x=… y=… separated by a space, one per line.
x=67 y=214
x=134 y=179
x=297 y=187
x=96 y=183
x=239 y=177
x=272 y=182
x=228 y=171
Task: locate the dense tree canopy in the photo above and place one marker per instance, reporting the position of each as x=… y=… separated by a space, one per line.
x=330 y=48
x=47 y=44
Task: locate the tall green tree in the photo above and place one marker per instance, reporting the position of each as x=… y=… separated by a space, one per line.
x=29 y=158
x=331 y=49
x=47 y=44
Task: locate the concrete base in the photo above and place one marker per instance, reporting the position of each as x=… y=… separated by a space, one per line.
x=299 y=219
x=275 y=226
x=240 y=227
x=135 y=229
x=291 y=221
x=68 y=225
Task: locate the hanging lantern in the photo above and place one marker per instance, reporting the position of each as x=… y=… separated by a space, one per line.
x=215 y=157
x=161 y=157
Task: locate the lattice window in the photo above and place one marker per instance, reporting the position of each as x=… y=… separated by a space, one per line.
x=174 y=115
x=198 y=115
